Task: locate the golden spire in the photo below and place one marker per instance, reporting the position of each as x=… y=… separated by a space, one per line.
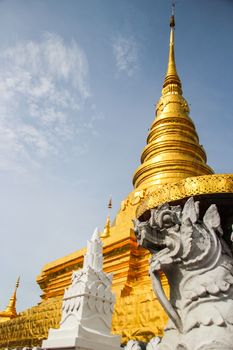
x=106 y=232
x=173 y=151
x=172 y=76
x=10 y=311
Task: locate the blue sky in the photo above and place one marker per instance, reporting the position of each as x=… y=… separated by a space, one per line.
x=78 y=83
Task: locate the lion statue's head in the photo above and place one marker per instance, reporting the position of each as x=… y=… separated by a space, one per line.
x=178 y=236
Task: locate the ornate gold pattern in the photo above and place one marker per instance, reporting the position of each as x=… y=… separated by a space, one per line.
x=193 y=186
x=32 y=325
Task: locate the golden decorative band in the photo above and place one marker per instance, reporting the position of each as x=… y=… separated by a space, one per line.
x=192 y=186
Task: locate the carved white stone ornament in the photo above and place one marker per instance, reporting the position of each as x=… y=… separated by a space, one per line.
x=87 y=307
x=133 y=345
x=199 y=267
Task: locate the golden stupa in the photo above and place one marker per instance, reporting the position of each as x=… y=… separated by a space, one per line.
x=10 y=311
x=173 y=167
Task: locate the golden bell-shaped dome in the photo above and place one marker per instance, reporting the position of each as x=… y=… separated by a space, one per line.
x=173 y=151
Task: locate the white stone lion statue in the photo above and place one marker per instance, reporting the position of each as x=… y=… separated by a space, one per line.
x=199 y=267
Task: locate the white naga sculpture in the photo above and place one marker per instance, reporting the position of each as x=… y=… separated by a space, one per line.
x=199 y=267
x=87 y=307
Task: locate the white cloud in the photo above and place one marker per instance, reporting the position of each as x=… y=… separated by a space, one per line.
x=126 y=55
x=43 y=88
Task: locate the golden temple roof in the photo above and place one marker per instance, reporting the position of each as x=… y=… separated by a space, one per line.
x=173 y=151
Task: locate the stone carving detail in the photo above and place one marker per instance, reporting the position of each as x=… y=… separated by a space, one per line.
x=87 y=306
x=139 y=345
x=199 y=267
x=135 y=345
x=153 y=343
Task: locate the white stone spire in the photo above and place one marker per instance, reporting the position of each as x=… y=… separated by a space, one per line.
x=87 y=307
x=96 y=235
x=94 y=255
